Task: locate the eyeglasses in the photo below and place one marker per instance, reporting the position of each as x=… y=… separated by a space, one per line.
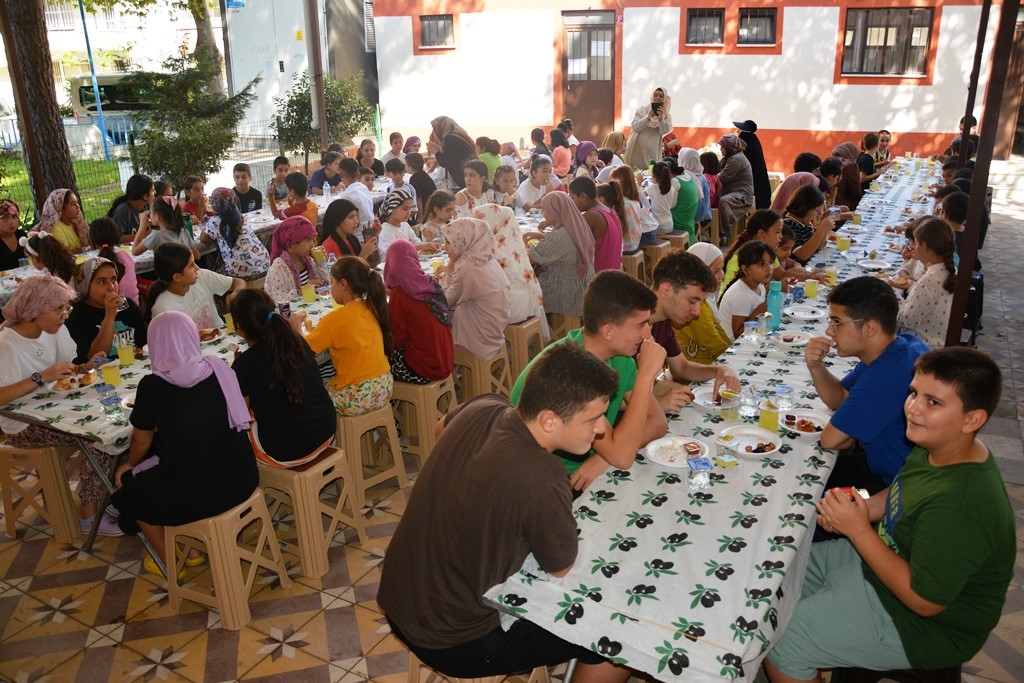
x=64 y=311
x=836 y=323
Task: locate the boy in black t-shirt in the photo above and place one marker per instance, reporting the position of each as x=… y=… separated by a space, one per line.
x=869 y=170
x=249 y=198
x=420 y=181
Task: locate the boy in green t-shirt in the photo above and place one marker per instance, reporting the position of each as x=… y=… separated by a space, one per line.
x=923 y=589
x=616 y=328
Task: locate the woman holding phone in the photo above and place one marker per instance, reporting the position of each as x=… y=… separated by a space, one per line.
x=650 y=123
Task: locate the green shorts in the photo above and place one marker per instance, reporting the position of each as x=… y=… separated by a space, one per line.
x=839 y=621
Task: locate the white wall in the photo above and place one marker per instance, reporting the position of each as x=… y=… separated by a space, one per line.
x=498 y=81
x=794 y=91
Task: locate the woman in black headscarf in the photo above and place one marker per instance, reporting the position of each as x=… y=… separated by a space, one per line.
x=758 y=167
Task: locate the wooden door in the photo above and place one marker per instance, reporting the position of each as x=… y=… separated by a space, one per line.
x=588 y=66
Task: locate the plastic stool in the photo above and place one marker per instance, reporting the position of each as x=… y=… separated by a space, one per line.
x=652 y=254
x=633 y=264
x=49 y=495
x=220 y=535
x=680 y=241
x=561 y=324
x=491 y=376
x=364 y=438
x=418 y=668
x=418 y=408
x=525 y=340
x=301 y=488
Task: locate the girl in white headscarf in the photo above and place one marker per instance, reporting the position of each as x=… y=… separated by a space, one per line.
x=703 y=339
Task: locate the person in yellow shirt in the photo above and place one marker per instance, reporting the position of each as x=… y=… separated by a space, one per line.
x=62 y=218
x=358 y=337
x=703 y=339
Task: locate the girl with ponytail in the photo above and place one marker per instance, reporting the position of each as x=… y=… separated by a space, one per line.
x=279 y=378
x=358 y=337
x=925 y=312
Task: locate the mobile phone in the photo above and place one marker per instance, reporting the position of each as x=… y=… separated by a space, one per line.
x=656 y=107
x=367 y=234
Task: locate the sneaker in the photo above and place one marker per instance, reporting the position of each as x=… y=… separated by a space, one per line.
x=107 y=526
x=112 y=511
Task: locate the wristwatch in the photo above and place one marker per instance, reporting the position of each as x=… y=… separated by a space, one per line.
x=37 y=378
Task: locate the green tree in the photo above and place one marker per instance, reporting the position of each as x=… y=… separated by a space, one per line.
x=348 y=113
x=191 y=125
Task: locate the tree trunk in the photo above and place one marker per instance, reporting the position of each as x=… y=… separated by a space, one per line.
x=206 y=45
x=42 y=130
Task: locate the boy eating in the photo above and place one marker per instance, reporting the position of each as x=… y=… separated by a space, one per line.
x=926 y=587
x=249 y=198
x=277 y=190
x=298 y=202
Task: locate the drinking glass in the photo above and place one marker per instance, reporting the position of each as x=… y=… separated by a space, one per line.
x=125 y=354
x=112 y=373
x=752 y=331
x=842 y=243
x=769 y=417
x=749 y=399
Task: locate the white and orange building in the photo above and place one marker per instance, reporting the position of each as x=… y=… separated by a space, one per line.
x=811 y=73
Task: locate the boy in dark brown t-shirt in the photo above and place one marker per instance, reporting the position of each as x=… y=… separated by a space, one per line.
x=490 y=494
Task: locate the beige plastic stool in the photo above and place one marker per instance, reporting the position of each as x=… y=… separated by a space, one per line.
x=365 y=438
x=652 y=254
x=680 y=241
x=418 y=408
x=417 y=669
x=475 y=377
x=715 y=228
x=561 y=324
x=232 y=580
x=49 y=495
x=302 y=488
x=525 y=340
x=633 y=264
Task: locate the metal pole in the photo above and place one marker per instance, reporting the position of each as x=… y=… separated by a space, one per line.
x=316 y=73
x=95 y=84
x=1001 y=53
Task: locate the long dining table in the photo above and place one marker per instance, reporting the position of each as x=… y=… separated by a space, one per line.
x=691 y=583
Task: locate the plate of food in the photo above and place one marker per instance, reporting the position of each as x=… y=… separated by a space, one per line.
x=705 y=400
x=833 y=237
x=74 y=382
x=258 y=220
x=803 y=422
x=874 y=265
x=750 y=441
x=853 y=229
x=209 y=335
x=793 y=338
x=673 y=451
x=804 y=312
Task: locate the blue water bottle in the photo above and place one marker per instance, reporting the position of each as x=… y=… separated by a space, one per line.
x=775 y=304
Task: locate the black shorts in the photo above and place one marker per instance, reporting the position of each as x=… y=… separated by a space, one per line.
x=521 y=648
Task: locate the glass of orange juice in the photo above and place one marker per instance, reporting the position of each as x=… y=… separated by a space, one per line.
x=112 y=373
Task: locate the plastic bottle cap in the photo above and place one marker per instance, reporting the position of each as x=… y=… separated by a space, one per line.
x=775 y=286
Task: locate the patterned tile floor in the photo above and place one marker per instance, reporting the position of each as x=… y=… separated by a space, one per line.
x=70 y=616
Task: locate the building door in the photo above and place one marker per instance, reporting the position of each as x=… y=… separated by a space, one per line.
x=588 y=66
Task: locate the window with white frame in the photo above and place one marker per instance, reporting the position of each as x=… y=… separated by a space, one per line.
x=61 y=15
x=887 y=42
x=369 y=29
x=437 y=30
x=757 y=27
x=705 y=26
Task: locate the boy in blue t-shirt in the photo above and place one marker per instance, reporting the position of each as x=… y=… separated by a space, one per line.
x=925 y=587
x=868 y=402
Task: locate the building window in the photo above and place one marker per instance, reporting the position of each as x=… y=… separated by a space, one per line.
x=437 y=31
x=61 y=15
x=113 y=20
x=369 y=29
x=705 y=26
x=757 y=27
x=887 y=42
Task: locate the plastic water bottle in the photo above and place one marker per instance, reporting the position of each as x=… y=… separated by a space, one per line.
x=187 y=218
x=775 y=304
x=327 y=192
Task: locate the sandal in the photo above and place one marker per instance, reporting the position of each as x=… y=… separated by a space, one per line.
x=150 y=565
x=193 y=561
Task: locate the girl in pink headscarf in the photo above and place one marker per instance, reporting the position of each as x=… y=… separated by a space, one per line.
x=191 y=413
x=292 y=267
x=848 y=189
x=565 y=256
x=477 y=289
x=62 y=218
x=788 y=188
x=421 y=321
x=36 y=350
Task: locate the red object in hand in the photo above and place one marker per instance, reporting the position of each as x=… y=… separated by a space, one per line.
x=850 y=491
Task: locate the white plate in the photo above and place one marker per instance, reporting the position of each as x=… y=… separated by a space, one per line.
x=220 y=335
x=259 y=220
x=853 y=229
x=874 y=264
x=796 y=338
x=818 y=418
x=52 y=386
x=749 y=435
x=704 y=399
x=668 y=451
x=804 y=312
